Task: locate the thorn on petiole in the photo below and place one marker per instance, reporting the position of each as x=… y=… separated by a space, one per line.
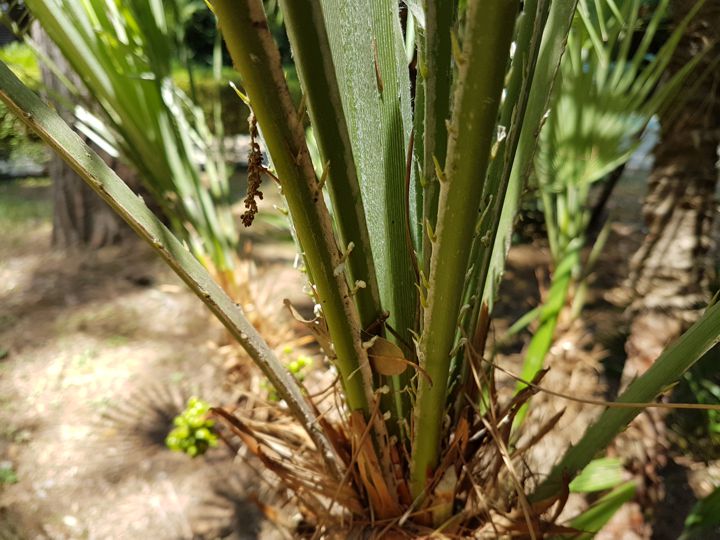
x=325 y=174
x=438 y=170
x=429 y=230
x=302 y=108
x=456 y=50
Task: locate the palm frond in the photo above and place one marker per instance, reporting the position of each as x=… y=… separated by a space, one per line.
x=124 y=53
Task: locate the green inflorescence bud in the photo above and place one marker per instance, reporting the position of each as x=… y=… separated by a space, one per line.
x=193 y=433
x=298 y=368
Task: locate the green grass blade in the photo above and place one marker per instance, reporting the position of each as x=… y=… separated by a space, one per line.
x=542 y=340
x=640 y=54
x=629 y=21
x=704 y=518
x=667 y=369
x=599 y=475
x=594 y=518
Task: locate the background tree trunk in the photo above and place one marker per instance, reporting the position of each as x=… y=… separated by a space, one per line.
x=670 y=273
x=80 y=217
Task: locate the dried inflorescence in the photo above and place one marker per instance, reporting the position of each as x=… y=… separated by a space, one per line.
x=254 y=177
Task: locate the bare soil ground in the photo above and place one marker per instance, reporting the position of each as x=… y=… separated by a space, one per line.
x=100 y=350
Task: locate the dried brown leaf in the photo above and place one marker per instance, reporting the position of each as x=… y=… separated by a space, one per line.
x=384 y=504
x=387 y=358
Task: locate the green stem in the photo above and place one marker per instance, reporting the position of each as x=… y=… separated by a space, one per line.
x=530 y=26
x=488 y=35
x=305 y=26
x=436 y=71
x=418 y=180
x=542 y=340
x=305 y=23
x=256 y=57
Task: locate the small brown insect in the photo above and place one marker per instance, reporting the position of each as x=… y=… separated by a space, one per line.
x=378 y=76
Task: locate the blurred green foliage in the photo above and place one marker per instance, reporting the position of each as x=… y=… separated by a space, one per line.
x=704 y=519
x=207 y=89
x=7 y=474
x=21 y=59
x=15 y=140
x=200 y=28
x=22 y=203
x=594 y=518
x=193 y=433
x=198 y=37
x=699 y=431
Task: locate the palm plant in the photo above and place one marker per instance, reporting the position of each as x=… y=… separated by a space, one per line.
x=420 y=441
x=608 y=89
x=124 y=55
